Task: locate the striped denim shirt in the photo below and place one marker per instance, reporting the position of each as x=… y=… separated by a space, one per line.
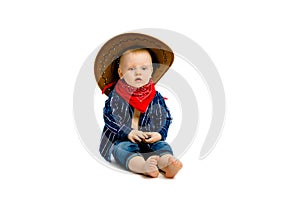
x=117 y=115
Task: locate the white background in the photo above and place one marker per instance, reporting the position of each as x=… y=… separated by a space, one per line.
x=254 y=45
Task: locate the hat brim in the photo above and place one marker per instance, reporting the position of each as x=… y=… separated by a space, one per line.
x=105 y=69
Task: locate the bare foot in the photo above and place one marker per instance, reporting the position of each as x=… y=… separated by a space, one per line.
x=151 y=166
x=172 y=168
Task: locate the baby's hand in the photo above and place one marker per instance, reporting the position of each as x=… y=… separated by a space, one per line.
x=136 y=135
x=152 y=137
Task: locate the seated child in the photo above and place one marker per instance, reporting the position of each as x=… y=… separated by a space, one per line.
x=135 y=114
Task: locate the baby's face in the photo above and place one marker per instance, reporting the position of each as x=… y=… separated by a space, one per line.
x=136 y=68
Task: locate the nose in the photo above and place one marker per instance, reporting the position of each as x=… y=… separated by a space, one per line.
x=138 y=71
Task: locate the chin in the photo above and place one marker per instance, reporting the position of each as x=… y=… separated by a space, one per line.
x=137 y=85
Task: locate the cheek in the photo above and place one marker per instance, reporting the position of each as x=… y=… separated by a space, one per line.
x=128 y=75
x=148 y=74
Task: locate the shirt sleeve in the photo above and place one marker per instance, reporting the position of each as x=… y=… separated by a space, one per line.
x=162 y=117
x=114 y=114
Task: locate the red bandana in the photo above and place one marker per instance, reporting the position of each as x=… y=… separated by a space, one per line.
x=139 y=98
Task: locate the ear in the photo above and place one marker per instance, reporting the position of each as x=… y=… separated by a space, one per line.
x=120 y=72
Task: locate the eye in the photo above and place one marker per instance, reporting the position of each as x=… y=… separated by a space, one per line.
x=144 y=68
x=130 y=69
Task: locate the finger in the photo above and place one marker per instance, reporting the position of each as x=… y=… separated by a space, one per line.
x=137 y=138
x=150 y=140
x=141 y=137
x=141 y=132
x=149 y=134
x=145 y=135
x=132 y=140
x=138 y=135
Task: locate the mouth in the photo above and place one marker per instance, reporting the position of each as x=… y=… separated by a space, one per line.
x=138 y=79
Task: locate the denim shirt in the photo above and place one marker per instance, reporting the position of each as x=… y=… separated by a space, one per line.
x=117 y=115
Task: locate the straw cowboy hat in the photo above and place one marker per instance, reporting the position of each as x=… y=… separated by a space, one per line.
x=106 y=62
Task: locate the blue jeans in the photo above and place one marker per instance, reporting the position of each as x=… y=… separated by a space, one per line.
x=126 y=150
